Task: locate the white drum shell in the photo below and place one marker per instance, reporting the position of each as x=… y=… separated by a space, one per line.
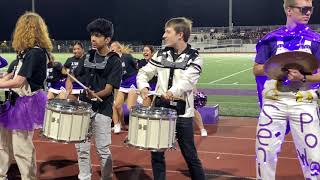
x=67 y=126
x=151 y=130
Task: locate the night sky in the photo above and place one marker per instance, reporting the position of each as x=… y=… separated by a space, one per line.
x=140 y=20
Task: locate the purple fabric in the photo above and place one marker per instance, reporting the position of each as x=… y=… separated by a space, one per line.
x=76 y=86
x=260 y=80
x=26 y=114
x=58 y=84
x=200 y=99
x=62 y=84
x=127 y=83
x=285 y=34
x=209 y=114
x=267 y=47
x=3 y=62
x=152 y=86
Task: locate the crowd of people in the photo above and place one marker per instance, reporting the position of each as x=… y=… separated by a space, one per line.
x=112 y=74
x=108 y=75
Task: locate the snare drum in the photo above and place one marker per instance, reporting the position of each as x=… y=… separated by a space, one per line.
x=67 y=121
x=152 y=128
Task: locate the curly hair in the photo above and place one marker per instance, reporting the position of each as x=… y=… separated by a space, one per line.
x=31 y=31
x=102 y=26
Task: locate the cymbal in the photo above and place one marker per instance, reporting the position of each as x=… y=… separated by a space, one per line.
x=277 y=66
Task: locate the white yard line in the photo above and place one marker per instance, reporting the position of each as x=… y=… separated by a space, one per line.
x=226 y=77
x=233 y=84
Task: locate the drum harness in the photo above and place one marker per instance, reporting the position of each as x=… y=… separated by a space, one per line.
x=91 y=67
x=191 y=55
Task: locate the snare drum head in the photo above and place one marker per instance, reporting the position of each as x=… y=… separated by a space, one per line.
x=154 y=112
x=67 y=105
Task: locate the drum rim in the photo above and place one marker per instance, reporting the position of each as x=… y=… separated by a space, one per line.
x=62 y=141
x=79 y=112
x=153 y=117
x=126 y=142
x=171 y=113
x=54 y=107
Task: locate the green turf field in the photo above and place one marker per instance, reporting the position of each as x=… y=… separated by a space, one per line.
x=220 y=71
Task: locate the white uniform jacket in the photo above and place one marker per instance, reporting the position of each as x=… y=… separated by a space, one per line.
x=186 y=75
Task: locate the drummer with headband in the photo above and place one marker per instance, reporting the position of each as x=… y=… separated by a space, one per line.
x=101 y=72
x=178 y=67
x=283 y=104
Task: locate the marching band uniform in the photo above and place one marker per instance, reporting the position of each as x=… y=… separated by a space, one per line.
x=298 y=107
x=178 y=74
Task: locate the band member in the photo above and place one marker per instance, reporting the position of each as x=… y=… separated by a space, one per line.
x=70 y=65
x=148 y=52
x=55 y=79
x=298 y=107
x=101 y=72
x=178 y=67
x=27 y=99
x=128 y=85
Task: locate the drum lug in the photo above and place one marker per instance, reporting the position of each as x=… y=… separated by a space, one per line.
x=174 y=147
x=88 y=137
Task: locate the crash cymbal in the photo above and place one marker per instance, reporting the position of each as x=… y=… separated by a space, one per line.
x=277 y=66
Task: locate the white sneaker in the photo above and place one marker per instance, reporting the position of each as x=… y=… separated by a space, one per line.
x=117 y=128
x=204 y=132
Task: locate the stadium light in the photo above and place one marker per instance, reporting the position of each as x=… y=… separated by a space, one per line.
x=33 y=6
x=230 y=16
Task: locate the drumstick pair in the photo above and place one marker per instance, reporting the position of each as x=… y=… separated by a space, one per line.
x=83 y=86
x=157 y=94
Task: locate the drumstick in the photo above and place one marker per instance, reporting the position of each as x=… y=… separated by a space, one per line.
x=159 y=95
x=83 y=86
x=149 y=94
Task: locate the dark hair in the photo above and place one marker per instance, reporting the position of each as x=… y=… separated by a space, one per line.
x=101 y=26
x=78 y=43
x=150 y=47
